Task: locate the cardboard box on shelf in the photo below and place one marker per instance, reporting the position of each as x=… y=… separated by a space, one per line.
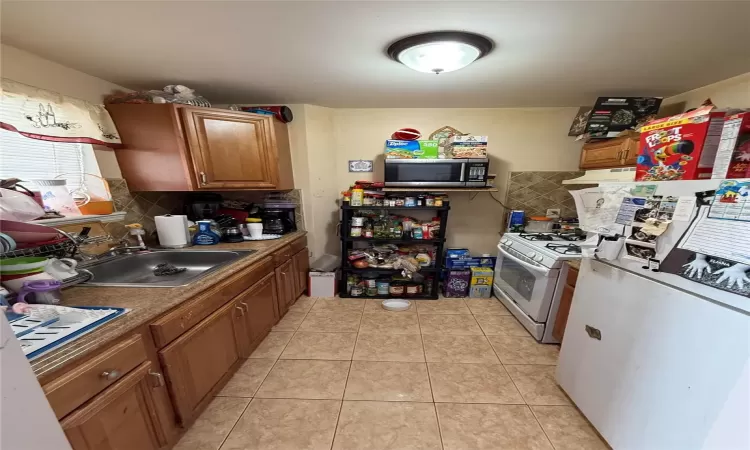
x=681 y=147
x=611 y=115
x=395 y=149
x=481 y=282
x=733 y=157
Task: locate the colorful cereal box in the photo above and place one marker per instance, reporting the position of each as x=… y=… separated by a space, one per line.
x=733 y=157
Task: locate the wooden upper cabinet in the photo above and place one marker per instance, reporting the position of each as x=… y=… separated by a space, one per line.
x=170 y=147
x=610 y=153
x=122 y=417
x=231 y=150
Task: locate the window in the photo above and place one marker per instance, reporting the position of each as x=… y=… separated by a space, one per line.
x=34 y=159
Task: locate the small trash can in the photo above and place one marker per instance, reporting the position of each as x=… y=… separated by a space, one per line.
x=322 y=277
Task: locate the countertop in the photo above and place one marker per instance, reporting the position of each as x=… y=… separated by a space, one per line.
x=574 y=263
x=145 y=304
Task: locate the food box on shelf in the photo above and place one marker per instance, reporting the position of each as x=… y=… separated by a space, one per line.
x=733 y=157
x=681 y=147
x=465 y=262
x=611 y=115
x=481 y=282
x=456 y=283
x=395 y=149
x=468 y=146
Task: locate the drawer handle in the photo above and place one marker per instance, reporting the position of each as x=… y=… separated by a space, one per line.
x=204 y=180
x=157 y=377
x=242 y=311
x=247 y=308
x=594 y=333
x=110 y=375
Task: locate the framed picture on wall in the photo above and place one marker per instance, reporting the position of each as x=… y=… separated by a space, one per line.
x=360 y=165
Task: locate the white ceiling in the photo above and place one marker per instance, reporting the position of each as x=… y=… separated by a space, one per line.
x=554 y=53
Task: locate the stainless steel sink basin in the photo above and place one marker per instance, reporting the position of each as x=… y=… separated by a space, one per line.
x=137 y=270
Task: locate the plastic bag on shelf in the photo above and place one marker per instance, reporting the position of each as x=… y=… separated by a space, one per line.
x=18 y=206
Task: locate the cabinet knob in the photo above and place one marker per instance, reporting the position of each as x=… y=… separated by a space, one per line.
x=158 y=379
x=203 y=178
x=110 y=375
x=247 y=308
x=242 y=311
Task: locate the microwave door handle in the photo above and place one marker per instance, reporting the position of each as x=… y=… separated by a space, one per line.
x=463 y=171
x=543 y=270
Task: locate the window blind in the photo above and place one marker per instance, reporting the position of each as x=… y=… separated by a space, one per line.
x=33 y=159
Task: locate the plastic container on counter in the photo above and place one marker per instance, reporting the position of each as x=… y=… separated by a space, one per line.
x=539 y=224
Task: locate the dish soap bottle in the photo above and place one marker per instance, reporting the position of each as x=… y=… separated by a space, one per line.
x=205 y=235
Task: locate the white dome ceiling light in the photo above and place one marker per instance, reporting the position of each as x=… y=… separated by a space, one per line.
x=439 y=51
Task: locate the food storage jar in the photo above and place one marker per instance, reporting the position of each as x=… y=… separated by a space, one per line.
x=539 y=224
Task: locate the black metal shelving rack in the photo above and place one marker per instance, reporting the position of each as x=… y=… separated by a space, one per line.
x=347 y=212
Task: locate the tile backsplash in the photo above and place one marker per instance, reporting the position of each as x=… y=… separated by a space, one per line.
x=535 y=192
x=141 y=207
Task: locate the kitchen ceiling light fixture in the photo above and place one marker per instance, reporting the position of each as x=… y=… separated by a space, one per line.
x=439 y=51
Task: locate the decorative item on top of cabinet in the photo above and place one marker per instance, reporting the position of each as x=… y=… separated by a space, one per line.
x=561 y=320
x=171 y=147
x=609 y=153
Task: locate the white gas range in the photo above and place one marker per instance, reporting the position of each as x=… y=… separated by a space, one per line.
x=529 y=277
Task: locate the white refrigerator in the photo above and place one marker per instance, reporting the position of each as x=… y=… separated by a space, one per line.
x=654 y=360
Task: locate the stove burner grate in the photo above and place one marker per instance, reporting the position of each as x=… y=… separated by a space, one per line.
x=565 y=249
x=537 y=236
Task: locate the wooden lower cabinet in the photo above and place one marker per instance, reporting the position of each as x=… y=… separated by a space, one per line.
x=196 y=361
x=122 y=417
x=301 y=262
x=566 y=300
x=285 y=286
x=259 y=303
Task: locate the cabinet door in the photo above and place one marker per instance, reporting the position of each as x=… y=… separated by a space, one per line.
x=231 y=150
x=562 y=312
x=630 y=155
x=301 y=268
x=198 y=359
x=601 y=156
x=285 y=286
x=259 y=303
x=122 y=417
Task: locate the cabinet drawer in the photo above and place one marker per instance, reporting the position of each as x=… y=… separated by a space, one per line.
x=173 y=324
x=298 y=245
x=572 y=277
x=282 y=255
x=93 y=376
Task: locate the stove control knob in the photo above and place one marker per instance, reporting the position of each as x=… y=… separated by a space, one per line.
x=531 y=255
x=539 y=258
x=504 y=240
x=510 y=243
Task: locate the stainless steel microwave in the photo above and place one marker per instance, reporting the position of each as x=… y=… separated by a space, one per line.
x=436 y=172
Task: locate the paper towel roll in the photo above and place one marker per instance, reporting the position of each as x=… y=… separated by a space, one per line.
x=172 y=230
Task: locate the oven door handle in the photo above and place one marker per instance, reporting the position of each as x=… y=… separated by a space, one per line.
x=542 y=270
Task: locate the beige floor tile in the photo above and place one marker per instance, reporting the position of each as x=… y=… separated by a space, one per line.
x=291 y=321
x=331 y=346
x=487 y=306
x=375 y=305
x=458 y=349
x=213 y=426
x=271 y=424
x=309 y=379
x=389 y=323
x=303 y=304
x=489 y=427
x=472 y=383
x=331 y=321
x=387 y=426
x=537 y=384
x=458 y=324
x=523 y=350
x=507 y=325
x=389 y=347
x=442 y=306
x=567 y=428
x=339 y=305
x=246 y=381
x=388 y=381
x=272 y=345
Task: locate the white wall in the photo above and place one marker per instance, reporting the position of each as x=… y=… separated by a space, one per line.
x=733 y=92
x=27 y=68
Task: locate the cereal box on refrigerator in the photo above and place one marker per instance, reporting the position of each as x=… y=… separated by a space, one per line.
x=681 y=147
x=733 y=157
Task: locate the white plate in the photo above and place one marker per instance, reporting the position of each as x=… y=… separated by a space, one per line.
x=396 y=304
x=265 y=237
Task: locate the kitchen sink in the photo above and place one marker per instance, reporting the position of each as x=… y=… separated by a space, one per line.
x=137 y=269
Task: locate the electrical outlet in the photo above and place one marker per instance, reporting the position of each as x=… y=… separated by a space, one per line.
x=553 y=212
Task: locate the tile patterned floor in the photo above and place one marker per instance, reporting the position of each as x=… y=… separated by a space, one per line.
x=343 y=374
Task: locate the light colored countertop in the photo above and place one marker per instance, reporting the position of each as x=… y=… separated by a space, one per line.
x=574 y=263
x=145 y=304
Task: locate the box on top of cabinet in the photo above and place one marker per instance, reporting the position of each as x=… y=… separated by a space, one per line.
x=733 y=157
x=396 y=149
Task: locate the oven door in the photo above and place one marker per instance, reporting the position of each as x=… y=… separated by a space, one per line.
x=527 y=283
x=425 y=172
